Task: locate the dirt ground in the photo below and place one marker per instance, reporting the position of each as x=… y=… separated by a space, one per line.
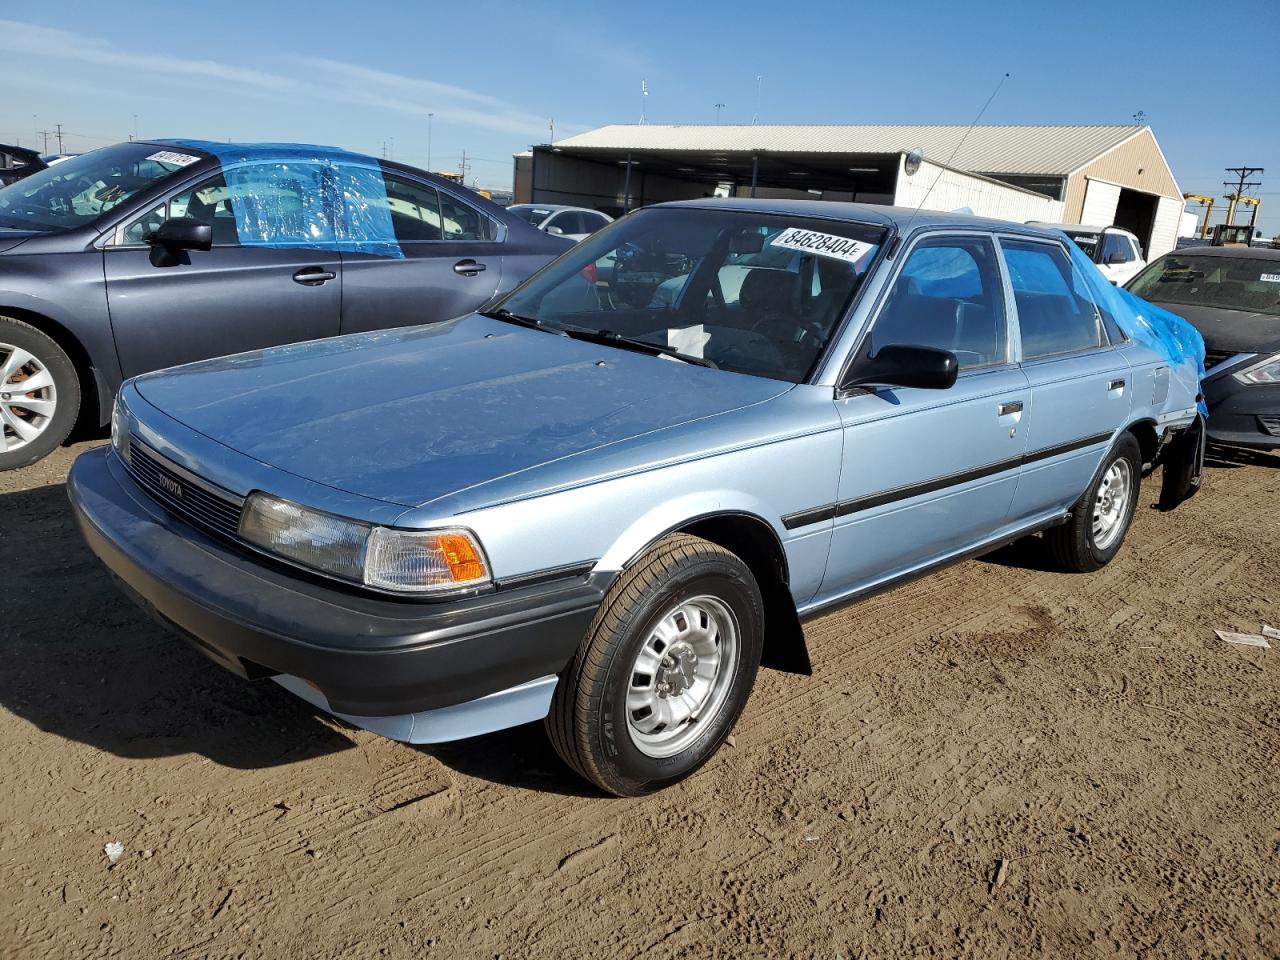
x=1089 y=730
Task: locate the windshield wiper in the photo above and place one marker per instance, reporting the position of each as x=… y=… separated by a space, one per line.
x=505 y=315
x=613 y=339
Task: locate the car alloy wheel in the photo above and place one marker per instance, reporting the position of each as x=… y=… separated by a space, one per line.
x=1111 y=504
x=28 y=397
x=681 y=675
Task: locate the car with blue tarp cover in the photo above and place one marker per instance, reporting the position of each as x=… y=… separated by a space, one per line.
x=154 y=253
x=606 y=500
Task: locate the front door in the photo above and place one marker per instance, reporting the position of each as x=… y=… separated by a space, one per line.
x=450 y=262
x=1080 y=390
x=245 y=293
x=929 y=473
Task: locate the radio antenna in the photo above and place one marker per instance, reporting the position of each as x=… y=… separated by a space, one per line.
x=925 y=198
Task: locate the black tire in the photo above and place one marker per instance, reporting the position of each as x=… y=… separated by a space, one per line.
x=1072 y=545
x=66 y=384
x=588 y=723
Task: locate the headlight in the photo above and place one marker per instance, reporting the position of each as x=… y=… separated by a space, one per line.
x=120 y=429
x=1268 y=371
x=407 y=561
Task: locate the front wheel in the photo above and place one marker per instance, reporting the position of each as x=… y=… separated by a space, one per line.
x=664 y=671
x=39 y=394
x=1101 y=518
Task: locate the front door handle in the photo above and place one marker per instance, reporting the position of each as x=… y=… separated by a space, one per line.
x=1008 y=407
x=1115 y=384
x=313 y=276
x=468 y=268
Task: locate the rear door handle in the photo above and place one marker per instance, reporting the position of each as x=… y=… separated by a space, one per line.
x=313 y=276
x=468 y=268
x=1008 y=407
x=1115 y=384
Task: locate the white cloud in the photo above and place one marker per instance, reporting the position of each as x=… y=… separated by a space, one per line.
x=346 y=82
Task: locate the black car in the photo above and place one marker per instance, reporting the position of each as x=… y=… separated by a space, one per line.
x=18 y=163
x=149 y=254
x=1232 y=295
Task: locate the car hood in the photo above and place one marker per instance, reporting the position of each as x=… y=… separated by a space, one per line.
x=10 y=238
x=408 y=416
x=1231 y=331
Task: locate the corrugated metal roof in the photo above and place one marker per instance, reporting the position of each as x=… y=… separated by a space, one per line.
x=1021 y=149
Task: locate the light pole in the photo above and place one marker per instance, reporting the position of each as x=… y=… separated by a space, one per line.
x=135 y=126
x=759 y=83
x=430 y=117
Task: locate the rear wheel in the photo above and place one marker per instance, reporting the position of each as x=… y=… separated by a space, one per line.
x=1101 y=518
x=39 y=394
x=665 y=669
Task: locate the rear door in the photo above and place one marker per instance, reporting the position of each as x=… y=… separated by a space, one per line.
x=928 y=473
x=451 y=261
x=251 y=290
x=1080 y=390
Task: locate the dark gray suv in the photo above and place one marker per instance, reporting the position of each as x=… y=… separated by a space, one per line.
x=149 y=254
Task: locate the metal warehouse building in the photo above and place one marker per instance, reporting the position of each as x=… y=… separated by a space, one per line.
x=1099 y=175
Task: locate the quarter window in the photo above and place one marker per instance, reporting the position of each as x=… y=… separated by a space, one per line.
x=948 y=296
x=1055 y=315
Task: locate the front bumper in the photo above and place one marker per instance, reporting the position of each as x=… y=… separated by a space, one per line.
x=359 y=656
x=1243 y=415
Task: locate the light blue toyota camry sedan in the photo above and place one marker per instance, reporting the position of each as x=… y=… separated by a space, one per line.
x=604 y=501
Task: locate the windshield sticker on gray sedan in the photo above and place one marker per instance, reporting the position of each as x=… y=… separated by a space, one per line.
x=1270 y=278
x=168 y=156
x=823 y=244
x=688 y=340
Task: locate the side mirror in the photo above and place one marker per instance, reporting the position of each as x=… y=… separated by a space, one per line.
x=899 y=365
x=182 y=233
x=556 y=230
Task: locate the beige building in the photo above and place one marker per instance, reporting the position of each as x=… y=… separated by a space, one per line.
x=1097 y=174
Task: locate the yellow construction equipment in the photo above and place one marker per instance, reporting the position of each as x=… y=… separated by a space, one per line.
x=1207 y=203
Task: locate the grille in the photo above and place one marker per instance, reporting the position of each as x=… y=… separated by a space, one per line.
x=194 y=502
x=1214 y=357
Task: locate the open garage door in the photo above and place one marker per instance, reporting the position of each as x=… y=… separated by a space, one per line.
x=1100 y=201
x=1164 y=231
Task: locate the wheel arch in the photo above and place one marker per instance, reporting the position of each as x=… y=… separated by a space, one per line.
x=754 y=541
x=1144 y=431
x=95 y=397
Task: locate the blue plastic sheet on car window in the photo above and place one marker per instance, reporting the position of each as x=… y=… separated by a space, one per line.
x=1166 y=333
x=305 y=196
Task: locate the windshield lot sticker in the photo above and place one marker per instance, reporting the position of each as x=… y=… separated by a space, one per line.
x=168 y=156
x=688 y=340
x=823 y=244
x=1270 y=278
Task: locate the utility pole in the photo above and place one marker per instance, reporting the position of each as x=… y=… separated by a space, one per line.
x=644 y=99
x=462 y=168
x=59 y=126
x=45 y=134
x=1238 y=188
x=719 y=107
x=552 y=125
x=430 y=118
x=135 y=127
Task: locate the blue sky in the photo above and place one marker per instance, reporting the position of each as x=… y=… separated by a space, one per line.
x=496 y=74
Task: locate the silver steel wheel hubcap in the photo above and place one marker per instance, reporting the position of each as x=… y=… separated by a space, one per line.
x=28 y=398
x=1111 y=505
x=682 y=675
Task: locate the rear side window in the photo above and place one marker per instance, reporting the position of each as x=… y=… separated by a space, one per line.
x=591 y=222
x=567 y=222
x=948 y=296
x=415 y=210
x=1054 y=315
x=461 y=222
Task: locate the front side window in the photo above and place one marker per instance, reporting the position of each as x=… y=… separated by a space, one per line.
x=1116 y=249
x=949 y=297
x=759 y=294
x=567 y=222
x=1055 y=315
x=209 y=202
x=1247 y=284
x=78 y=191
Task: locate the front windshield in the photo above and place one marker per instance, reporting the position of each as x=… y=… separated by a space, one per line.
x=1088 y=242
x=79 y=190
x=534 y=215
x=1230 y=283
x=753 y=293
